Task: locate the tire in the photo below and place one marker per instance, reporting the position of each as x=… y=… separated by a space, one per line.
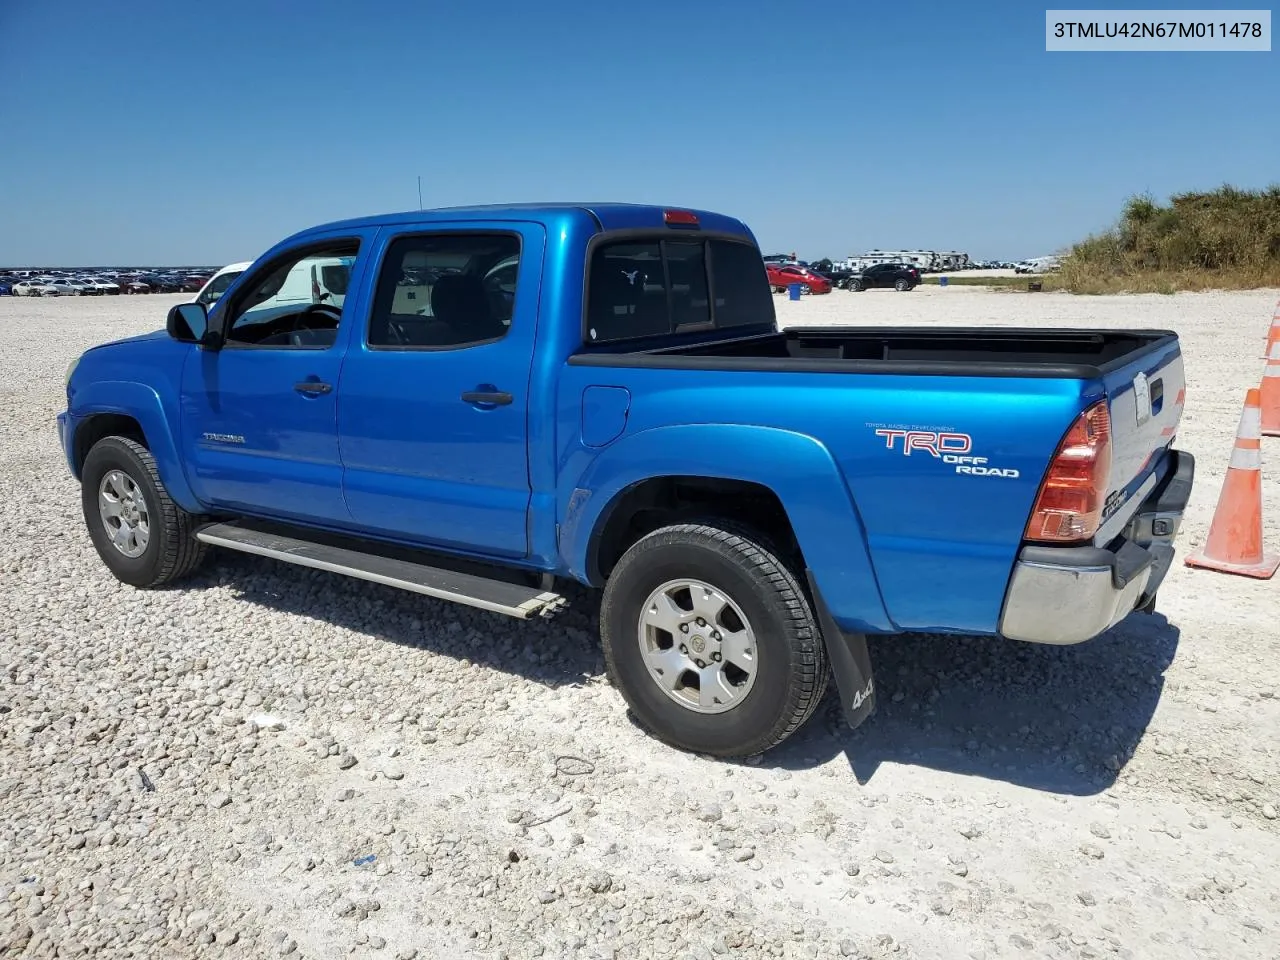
x=171 y=550
x=857 y=286
x=902 y=286
x=761 y=601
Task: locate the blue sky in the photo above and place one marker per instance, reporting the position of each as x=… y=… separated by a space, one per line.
x=184 y=132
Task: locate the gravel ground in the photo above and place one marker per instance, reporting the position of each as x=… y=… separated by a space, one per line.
x=272 y=761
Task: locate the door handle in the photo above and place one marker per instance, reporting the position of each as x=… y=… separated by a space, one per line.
x=495 y=398
x=312 y=387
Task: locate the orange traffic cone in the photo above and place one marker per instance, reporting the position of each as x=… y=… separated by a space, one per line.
x=1269 y=392
x=1235 y=536
x=1273 y=335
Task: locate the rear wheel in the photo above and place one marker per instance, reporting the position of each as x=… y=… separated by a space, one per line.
x=902 y=286
x=143 y=537
x=710 y=638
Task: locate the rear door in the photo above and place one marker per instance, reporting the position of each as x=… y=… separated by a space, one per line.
x=433 y=402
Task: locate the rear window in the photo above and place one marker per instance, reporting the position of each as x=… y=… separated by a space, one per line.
x=653 y=287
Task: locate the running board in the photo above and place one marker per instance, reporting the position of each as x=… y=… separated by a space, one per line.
x=498 y=596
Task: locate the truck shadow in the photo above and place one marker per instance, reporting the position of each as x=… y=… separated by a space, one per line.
x=561 y=652
x=1060 y=719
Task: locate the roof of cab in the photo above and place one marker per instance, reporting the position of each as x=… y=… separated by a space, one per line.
x=607 y=216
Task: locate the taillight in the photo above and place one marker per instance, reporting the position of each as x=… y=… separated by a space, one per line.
x=1069 y=507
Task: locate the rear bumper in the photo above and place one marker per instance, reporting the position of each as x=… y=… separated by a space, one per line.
x=1067 y=595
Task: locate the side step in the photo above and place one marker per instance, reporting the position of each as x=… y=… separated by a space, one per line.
x=498 y=596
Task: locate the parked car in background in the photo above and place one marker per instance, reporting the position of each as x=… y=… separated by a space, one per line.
x=839 y=275
x=899 y=276
x=162 y=283
x=6 y=287
x=33 y=288
x=780 y=277
x=102 y=286
x=217 y=285
x=85 y=286
x=63 y=286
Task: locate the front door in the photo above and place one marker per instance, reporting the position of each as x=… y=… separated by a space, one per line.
x=433 y=401
x=259 y=416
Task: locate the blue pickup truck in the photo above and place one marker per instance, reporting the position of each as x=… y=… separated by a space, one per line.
x=478 y=404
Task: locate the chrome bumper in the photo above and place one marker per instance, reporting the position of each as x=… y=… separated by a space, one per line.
x=1071 y=594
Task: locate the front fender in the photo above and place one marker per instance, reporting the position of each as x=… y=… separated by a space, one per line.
x=142 y=403
x=797 y=468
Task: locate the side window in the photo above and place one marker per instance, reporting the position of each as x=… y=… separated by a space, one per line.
x=294 y=302
x=445 y=291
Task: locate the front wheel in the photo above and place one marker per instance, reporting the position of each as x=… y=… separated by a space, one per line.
x=711 y=640
x=143 y=537
x=857 y=286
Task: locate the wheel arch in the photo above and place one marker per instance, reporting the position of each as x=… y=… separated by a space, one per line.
x=658 y=501
x=134 y=410
x=796 y=492
x=97 y=426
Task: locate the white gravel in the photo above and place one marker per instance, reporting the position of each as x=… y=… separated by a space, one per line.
x=276 y=762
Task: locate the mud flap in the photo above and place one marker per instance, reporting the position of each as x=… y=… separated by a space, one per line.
x=850 y=661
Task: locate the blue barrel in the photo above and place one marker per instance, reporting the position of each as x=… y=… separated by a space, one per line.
x=942 y=281
x=794 y=290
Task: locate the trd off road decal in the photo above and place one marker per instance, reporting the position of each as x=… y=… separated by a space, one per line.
x=950 y=446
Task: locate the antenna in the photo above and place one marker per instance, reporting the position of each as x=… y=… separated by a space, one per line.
x=419 y=191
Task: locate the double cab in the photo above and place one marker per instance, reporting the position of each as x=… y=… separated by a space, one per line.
x=483 y=404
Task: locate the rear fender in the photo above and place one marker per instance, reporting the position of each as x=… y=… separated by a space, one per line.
x=797 y=468
x=143 y=404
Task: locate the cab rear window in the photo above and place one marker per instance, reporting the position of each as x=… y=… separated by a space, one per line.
x=647 y=288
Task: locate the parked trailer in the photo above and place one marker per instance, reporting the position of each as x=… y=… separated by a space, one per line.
x=922 y=260
x=953 y=260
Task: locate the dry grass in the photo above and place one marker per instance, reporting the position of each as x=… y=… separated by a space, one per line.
x=1226 y=239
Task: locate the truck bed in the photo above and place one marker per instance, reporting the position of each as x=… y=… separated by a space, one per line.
x=1008 y=395
x=944 y=351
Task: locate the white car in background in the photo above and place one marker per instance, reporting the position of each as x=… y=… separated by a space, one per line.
x=33 y=288
x=100 y=286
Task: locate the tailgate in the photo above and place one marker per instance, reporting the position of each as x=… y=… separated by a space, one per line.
x=1145 y=394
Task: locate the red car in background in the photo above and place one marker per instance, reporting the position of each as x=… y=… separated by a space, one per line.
x=781 y=276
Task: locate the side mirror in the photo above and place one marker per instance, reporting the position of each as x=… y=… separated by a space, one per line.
x=188 y=322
